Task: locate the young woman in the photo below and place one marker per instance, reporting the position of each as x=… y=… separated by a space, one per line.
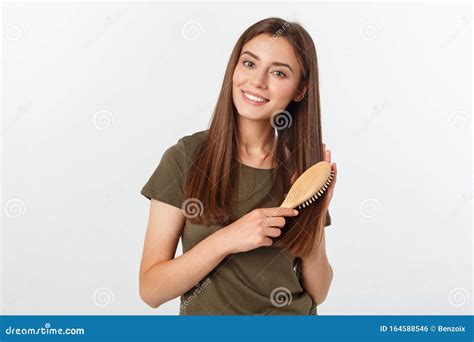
x=220 y=190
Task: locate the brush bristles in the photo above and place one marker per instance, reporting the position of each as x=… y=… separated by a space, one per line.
x=318 y=194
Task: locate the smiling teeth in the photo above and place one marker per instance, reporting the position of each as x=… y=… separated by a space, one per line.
x=254 y=98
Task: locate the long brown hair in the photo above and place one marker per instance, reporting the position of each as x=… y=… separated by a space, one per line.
x=213 y=177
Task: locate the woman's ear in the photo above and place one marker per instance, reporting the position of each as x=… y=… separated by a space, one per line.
x=300 y=94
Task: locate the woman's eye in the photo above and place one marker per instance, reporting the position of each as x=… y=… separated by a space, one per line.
x=281 y=74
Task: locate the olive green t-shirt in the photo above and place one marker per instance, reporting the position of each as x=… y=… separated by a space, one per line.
x=262 y=281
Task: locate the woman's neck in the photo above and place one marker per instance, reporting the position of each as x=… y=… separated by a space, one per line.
x=257 y=142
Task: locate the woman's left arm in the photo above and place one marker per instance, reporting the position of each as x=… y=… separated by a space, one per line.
x=316 y=272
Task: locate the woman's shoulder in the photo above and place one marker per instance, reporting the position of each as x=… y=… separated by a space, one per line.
x=194 y=139
x=185 y=149
x=189 y=144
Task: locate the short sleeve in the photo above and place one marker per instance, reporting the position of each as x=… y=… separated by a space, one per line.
x=167 y=182
x=328 y=219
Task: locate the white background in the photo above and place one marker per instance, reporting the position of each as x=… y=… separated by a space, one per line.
x=94 y=93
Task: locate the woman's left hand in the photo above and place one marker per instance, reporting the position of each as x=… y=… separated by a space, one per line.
x=330 y=189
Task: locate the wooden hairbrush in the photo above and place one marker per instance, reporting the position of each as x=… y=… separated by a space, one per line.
x=309 y=186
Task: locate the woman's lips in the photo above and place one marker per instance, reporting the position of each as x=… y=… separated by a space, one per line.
x=255 y=103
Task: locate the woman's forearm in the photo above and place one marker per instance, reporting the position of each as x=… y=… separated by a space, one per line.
x=317 y=279
x=172 y=278
x=317 y=273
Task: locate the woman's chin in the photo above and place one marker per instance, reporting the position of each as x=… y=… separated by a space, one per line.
x=254 y=116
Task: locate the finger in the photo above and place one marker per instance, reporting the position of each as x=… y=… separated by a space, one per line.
x=275 y=221
x=273 y=232
x=334 y=175
x=279 y=211
x=327 y=156
x=268 y=242
x=334 y=172
x=334 y=179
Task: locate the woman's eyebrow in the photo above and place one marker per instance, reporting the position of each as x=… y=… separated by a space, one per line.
x=274 y=63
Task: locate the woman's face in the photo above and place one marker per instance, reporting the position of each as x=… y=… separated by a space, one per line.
x=268 y=69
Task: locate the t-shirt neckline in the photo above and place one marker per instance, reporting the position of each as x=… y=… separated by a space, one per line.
x=256 y=168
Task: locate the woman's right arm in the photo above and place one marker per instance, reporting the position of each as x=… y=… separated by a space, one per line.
x=163 y=277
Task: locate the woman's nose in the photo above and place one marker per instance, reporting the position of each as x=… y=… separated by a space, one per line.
x=259 y=80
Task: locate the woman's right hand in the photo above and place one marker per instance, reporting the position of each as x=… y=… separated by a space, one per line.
x=255 y=229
